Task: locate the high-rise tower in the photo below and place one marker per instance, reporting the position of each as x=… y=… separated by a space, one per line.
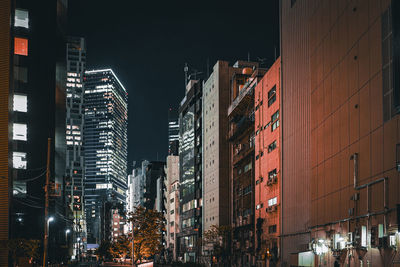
x=105 y=144
x=74 y=173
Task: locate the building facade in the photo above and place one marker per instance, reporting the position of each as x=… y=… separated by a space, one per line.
x=105 y=145
x=173 y=132
x=340 y=132
x=241 y=162
x=32 y=110
x=267 y=167
x=190 y=177
x=74 y=173
x=171 y=204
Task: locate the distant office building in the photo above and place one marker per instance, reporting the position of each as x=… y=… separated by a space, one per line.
x=153 y=193
x=105 y=145
x=267 y=166
x=173 y=132
x=137 y=185
x=74 y=187
x=190 y=159
x=171 y=204
x=32 y=108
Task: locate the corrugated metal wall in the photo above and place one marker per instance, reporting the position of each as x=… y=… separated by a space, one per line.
x=295 y=106
x=4 y=95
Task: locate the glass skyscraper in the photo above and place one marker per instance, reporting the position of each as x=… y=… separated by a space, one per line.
x=105 y=144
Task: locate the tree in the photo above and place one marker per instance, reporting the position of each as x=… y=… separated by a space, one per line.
x=148 y=226
x=103 y=251
x=216 y=242
x=122 y=246
x=21 y=247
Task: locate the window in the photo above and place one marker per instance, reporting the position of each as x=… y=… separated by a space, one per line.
x=19 y=131
x=21 y=46
x=21 y=18
x=272 y=174
x=172 y=200
x=272 y=96
x=247 y=167
x=259 y=180
x=247 y=190
x=172 y=212
x=19 y=160
x=272 y=229
x=272 y=146
x=259 y=206
x=275 y=116
x=21 y=74
x=20 y=103
x=272 y=201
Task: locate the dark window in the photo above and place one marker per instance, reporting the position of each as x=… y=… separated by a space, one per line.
x=272 y=174
x=247 y=190
x=391 y=61
x=272 y=96
x=21 y=74
x=272 y=229
x=396 y=53
x=275 y=121
x=272 y=146
x=292 y=2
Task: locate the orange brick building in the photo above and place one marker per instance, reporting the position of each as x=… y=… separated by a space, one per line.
x=267 y=166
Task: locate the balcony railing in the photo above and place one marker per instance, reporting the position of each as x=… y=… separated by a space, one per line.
x=241 y=126
x=244 y=94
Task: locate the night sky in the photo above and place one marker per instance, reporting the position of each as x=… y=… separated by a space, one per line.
x=147 y=45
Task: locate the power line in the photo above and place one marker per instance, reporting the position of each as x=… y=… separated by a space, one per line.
x=26 y=204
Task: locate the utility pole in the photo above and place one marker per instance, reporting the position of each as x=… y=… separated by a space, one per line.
x=46 y=206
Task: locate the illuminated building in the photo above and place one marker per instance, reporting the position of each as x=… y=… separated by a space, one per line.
x=105 y=145
x=340 y=132
x=173 y=132
x=137 y=183
x=76 y=60
x=32 y=108
x=267 y=166
x=190 y=178
x=241 y=164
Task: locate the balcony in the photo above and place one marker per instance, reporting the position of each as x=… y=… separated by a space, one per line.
x=243 y=100
x=241 y=152
x=240 y=127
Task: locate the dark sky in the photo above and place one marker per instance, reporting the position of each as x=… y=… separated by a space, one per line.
x=147 y=43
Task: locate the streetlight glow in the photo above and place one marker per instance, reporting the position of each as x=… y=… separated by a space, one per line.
x=50 y=219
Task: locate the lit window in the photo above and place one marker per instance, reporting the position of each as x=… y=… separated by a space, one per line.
x=20 y=103
x=20 y=46
x=272 y=201
x=19 y=131
x=21 y=18
x=19 y=160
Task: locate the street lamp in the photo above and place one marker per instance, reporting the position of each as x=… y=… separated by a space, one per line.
x=46 y=239
x=66 y=235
